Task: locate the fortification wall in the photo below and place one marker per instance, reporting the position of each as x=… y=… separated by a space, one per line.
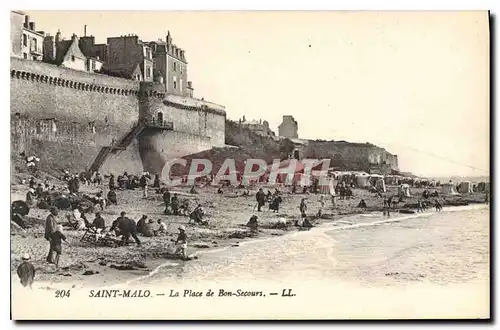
x=358 y=156
x=157 y=147
x=65 y=117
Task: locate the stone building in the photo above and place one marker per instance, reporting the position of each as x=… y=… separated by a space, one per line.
x=260 y=127
x=130 y=51
x=66 y=53
x=170 y=61
x=96 y=54
x=26 y=42
x=288 y=128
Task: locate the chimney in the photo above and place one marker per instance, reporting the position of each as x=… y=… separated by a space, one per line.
x=244 y=118
x=26 y=21
x=85 y=30
x=32 y=26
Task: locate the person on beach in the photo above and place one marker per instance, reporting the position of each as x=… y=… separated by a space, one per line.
x=321 y=205
x=197 y=216
x=141 y=223
x=30 y=197
x=162 y=228
x=303 y=208
x=166 y=200
x=261 y=199
x=181 y=242
x=125 y=227
x=98 y=179
x=143 y=183
x=438 y=206
x=50 y=228
x=26 y=271
x=174 y=203
x=112 y=183
x=112 y=197
x=253 y=223
x=56 y=243
x=147 y=230
x=98 y=222
x=156 y=183
x=362 y=204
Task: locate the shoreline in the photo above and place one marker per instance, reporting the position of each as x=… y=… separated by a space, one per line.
x=150 y=257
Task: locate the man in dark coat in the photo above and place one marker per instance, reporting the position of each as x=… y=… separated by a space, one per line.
x=166 y=199
x=98 y=222
x=125 y=227
x=50 y=228
x=261 y=199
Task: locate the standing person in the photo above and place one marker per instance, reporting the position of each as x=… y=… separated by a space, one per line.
x=98 y=179
x=156 y=183
x=50 y=228
x=143 y=183
x=321 y=205
x=112 y=183
x=30 y=197
x=26 y=271
x=261 y=199
x=56 y=241
x=181 y=242
x=166 y=199
x=303 y=208
x=175 y=204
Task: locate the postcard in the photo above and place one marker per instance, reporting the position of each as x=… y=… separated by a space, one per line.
x=250 y=165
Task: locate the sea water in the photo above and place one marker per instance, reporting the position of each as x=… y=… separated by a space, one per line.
x=373 y=250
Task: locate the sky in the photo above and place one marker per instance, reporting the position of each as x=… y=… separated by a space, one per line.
x=415 y=83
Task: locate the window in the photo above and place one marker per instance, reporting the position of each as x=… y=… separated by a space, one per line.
x=25 y=40
x=180 y=85
x=93 y=65
x=175 y=82
x=148 y=72
x=25 y=56
x=175 y=66
x=34 y=45
x=73 y=58
x=180 y=68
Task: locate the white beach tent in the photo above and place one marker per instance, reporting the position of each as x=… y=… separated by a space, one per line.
x=448 y=188
x=465 y=187
x=362 y=180
x=404 y=190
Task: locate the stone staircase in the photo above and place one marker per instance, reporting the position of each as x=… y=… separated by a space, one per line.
x=122 y=144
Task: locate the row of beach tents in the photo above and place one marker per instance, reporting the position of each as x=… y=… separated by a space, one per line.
x=358 y=178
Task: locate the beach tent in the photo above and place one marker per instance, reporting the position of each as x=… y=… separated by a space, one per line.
x=465 y=187
x=374 y=178
x=328 y=188
x=483 y=187
x=380 y=185
x=404 y=190
x=448 y=188
x=362 y=180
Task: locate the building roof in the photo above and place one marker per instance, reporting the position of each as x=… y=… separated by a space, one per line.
x=121 y=70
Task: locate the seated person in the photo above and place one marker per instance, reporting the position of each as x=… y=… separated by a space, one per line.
x=253 y=223
x=362 y=203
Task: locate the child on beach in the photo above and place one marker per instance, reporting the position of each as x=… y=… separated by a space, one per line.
x=55 y=243
x=181 y=242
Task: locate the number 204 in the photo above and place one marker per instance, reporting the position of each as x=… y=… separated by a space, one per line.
x=62 y=293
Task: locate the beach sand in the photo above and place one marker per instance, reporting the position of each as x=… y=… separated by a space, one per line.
x=227 y=215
